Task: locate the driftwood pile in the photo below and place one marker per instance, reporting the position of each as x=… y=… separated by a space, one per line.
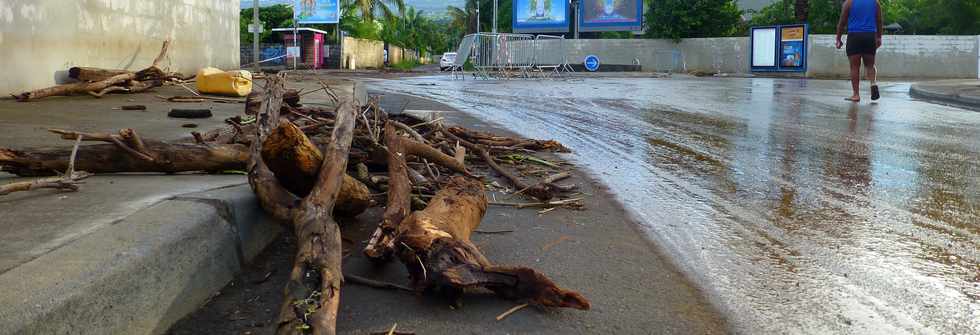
x=310 y=164
x=99 y=82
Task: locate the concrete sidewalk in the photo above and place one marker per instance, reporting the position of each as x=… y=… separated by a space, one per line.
x=128 y=253
x=965 y=93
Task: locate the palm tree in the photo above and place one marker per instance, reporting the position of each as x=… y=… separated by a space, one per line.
x=369 y=8
x=464 y=19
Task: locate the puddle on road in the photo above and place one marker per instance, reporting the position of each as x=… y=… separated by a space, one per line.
x=797 y=212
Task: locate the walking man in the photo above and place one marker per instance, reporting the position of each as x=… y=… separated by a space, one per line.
x=862 y=19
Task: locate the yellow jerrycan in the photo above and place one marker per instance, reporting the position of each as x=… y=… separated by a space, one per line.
x=215 y=81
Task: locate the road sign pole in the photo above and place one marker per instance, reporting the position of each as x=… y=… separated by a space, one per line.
x=256 y=53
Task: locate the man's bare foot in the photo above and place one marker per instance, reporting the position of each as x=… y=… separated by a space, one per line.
x=855 y=98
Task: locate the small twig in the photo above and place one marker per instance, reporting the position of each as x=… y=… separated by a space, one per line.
x=408 y=130
x=330 y=92
x=546 y=210
x=428 y=123
x=189 y=89
x=538 y=204
x=129 y=150
x=511 y=311
x=367 y=125
x=493 y=232
x=556 y=242
x=70 y=173
x=392 y=330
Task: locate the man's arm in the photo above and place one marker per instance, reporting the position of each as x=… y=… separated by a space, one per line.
x=842 y=24
x=881 y=22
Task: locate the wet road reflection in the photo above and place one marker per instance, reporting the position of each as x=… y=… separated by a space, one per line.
x=796 y=211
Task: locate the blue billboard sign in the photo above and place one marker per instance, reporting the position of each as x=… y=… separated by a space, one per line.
x=611 y=15
x=540 y=16
x=316 y=11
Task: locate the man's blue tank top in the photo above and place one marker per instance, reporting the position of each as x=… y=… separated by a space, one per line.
x=864 y=17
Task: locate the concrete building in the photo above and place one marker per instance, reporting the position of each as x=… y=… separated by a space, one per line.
x=41 y=39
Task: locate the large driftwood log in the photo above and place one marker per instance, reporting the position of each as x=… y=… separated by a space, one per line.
x=296 y=161
x=313 y=292
x=109 y=158
x=93 y=74
x=381 y=245
x=140 y=81
x=312 y=295
x=434 y=244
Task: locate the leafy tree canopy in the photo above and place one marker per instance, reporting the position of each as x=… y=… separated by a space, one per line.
x=676 y=19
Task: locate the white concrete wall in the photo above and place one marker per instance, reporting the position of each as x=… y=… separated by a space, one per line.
x=41 y=39
x=901 y=56
x=366 y=54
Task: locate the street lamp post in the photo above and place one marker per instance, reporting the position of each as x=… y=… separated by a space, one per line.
x=494 y=16
x=477 y=16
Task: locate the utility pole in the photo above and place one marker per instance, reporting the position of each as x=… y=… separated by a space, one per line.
x=256 y=53
x=495 y=16
x=478 y=16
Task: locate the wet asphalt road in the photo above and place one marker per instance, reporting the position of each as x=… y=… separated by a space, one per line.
x=796 y=211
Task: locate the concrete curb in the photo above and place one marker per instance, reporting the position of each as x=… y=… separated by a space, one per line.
x=141 y=274
x=924 y=92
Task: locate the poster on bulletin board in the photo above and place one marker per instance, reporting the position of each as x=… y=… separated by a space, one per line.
x=792 y=47
x=779 y=48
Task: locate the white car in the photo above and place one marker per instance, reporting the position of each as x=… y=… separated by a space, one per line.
x=447 y=61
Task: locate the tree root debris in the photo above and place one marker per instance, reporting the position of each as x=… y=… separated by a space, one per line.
x=307 y=165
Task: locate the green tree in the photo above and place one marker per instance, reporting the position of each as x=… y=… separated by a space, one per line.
x=464 y=19
x=369 y=9
x=930 y=17
x=276 y=16
x=677 y=19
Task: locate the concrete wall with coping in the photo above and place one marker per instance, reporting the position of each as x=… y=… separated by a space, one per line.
x=41 y=39
x=364 y=53
x=901 y=56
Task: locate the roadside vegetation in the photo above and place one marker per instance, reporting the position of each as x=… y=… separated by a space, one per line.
x=396 y=23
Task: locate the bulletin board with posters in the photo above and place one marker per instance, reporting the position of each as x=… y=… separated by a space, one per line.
x=779 y=48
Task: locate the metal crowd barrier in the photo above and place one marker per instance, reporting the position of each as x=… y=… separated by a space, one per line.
x=506 y=56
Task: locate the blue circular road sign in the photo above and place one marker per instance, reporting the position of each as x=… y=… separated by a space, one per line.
x=592 y=63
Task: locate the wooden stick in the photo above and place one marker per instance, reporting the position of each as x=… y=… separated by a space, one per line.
x=511 y=311
x=408 y=130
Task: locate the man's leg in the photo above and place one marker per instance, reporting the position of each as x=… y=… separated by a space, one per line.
x=872 y=74
x=855 y=77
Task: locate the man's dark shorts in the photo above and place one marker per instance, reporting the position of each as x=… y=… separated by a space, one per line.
x=862 y=44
